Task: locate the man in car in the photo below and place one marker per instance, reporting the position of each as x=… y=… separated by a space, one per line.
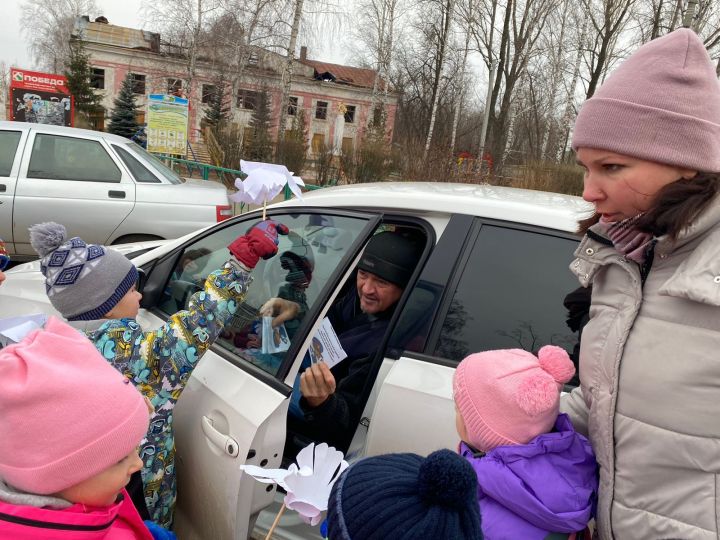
x=332 y=398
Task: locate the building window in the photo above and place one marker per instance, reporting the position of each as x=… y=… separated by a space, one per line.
x=208 y=92
x=138 y=83
x=253 y=59
x=292 y=106
x=350 y=114
x=174 y=87
x=247 y=99
x=321 y=109
x=97 y=79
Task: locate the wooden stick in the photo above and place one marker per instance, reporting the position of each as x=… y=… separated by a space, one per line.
x=275 y=523
x=264 y=209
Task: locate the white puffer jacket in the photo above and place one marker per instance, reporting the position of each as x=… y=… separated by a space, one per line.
x=649 y=398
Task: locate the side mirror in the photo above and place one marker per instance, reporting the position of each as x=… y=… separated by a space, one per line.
x=142 y=279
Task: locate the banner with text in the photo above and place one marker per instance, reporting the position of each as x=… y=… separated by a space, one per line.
x=40 y=98
x=167 y=124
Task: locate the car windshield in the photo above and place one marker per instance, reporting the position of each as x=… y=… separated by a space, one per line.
x=170 y=175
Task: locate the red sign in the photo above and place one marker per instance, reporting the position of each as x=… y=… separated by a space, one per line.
x=34 y=80
x=41 y=98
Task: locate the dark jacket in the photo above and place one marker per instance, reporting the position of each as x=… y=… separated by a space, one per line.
x=360 y=336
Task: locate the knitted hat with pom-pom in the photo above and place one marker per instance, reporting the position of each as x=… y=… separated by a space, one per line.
x=510 y=396
x=406 y=497
x=83 y=281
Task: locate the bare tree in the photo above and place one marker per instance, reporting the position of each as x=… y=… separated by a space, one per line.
x=48 y=25
x=442 y=34
x=608 y=20
x=522 y=25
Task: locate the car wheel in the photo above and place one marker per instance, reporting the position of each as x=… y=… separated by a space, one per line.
x=130 y=238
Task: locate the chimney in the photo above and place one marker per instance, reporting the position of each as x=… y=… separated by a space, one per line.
x=303 y=53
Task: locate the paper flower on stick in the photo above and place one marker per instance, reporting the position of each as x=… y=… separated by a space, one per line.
x=308 y=481
x=264 y=182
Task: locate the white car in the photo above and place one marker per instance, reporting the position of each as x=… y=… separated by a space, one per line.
x=494 y=274
x=102 y=187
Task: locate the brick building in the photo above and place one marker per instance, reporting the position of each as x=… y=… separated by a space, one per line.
x=321 y=89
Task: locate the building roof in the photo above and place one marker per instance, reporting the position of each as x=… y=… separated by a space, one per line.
x=353 y=76
x=119 y=36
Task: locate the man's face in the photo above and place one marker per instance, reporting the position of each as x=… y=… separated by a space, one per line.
x=376 y=294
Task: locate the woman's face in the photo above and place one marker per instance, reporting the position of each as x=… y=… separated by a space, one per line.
x=622 y=187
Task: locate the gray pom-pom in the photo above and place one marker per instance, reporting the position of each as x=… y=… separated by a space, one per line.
x=47 y=237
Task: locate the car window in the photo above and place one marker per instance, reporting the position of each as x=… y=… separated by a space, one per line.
x=69 y=158
x=169 y=174
x=139 y=171
x=8 y=146
x=510 y=295
x=306 y=260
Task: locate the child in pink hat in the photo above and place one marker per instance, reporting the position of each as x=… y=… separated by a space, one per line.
x=536 y=475
x=69 y=431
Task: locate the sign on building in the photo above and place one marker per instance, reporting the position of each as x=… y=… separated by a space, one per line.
x=40 y=98
x=167 y=124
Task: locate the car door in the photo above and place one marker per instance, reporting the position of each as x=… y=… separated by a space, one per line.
x=11 y=144
x=233 y=410
x=74 y=180
x=505 y=291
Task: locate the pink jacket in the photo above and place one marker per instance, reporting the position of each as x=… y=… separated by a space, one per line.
x=78 y=522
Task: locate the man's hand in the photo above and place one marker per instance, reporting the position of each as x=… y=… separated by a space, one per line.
x=317 y=384
x=282 y=310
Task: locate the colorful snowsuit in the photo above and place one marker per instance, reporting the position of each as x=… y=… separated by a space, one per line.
x=533 y=490
x=160 y=362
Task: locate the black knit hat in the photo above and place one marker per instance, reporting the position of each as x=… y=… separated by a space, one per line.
x=406 y=497
x=391 y=257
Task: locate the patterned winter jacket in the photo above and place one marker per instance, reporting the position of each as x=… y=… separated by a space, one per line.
x=160 y=362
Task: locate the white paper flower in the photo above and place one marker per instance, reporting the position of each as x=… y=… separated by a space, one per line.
x=264 y=182
x=308 y=483
x=308 y=494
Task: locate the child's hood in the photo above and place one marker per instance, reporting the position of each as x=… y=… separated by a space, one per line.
x=550 y=482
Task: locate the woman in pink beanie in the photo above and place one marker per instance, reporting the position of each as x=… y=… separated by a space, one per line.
x=69 y=430
x=537 y=477
x=649 y=141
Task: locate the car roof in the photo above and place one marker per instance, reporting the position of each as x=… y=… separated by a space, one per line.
x=62 y=130
x=541 y=208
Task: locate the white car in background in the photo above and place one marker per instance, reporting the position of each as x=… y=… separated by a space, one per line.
x=493 y=274
x=103 y=188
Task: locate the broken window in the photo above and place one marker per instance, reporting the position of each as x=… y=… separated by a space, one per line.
x=247 y=99
x=174 y=87
x=97 y=79
x=292 y=106
x=208 y=92
x=138 y=83
x=350 y=114
x=321 y=110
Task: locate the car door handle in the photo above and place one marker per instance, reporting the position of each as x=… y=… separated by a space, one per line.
x=3 y=188
x=224 y=442
x=116 y=194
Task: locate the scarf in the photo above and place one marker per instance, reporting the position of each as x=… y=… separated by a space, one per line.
x=628 y=240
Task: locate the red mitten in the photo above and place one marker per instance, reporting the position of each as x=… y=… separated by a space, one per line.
x=261 y=241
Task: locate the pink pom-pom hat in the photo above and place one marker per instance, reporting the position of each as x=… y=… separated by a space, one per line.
x=510 y=396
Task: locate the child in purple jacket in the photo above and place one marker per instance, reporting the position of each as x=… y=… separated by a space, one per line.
x=537 y=478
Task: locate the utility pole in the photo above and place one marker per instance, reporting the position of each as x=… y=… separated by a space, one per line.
x=689 y=15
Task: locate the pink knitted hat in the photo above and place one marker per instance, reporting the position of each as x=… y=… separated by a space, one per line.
x=65 y=413
x=510 y=396
x=662 y=104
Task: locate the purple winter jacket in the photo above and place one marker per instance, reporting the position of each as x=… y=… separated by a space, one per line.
x=529 y=491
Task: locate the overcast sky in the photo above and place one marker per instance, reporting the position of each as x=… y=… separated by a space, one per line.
x=14 y=51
